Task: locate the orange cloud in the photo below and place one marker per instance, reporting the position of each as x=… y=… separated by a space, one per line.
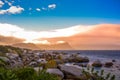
x=103 y=36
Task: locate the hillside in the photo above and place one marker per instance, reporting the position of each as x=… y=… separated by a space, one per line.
x=60 y=46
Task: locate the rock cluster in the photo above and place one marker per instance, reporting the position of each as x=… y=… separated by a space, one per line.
x=66 y=66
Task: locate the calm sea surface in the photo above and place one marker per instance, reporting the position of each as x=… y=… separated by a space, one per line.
x=112 y=54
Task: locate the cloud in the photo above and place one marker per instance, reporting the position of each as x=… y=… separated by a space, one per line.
x=38 y=42
x=52 y=6
x=3 y=11
x=103 y=36
x=15 y=9
x=60 y=42
x=38 y=9
x=1 y=4
x=16 y=31
x=9 y=3
x=9 y=30
x=12 y=10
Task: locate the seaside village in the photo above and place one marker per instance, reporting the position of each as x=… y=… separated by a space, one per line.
x=66 y=66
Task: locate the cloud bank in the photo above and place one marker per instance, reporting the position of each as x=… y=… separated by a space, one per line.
x=102 y=36
x=15 y=31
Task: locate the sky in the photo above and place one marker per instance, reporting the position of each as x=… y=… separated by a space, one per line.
x=55 y=14
x=37 y=19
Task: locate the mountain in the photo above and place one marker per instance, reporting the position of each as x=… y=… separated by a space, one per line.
x=57 y=46
x=26 y=45
x=9 y=40
x=16 y=42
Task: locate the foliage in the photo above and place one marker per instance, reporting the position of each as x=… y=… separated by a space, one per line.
x=97 y=75
x=8 y=49
x=26 y=73
x=51 y=64
x=46 y=76
x=3 y=63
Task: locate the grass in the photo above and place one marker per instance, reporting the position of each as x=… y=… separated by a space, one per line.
x=26 y=73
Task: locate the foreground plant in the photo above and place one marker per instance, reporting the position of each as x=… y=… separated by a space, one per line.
x=25 y=74
x=91 y=74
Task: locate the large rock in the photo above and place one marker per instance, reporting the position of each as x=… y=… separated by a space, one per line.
x=12 y=55
x=72 y=72
x=4 y=61
x=81 y=64
x=97 y=63
x=33 y=64
x=113 y=60
x=38 y=69
x=78 y=59
x=56 y=72
x=43 y=61
x=83 y=59
x=16 y=64
x=108 y=64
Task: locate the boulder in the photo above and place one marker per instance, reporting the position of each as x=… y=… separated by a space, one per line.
x=83 y=59
x=4 y=61
x=97 y=63
x=16 y=64
x=43 y=61
x=108 y=64
x=72 y=72
x=12 y=55
x=55 y=72
x=78 y=59
x=33 y=64
x=113 y=60
x=81 y=64
x=38 y=69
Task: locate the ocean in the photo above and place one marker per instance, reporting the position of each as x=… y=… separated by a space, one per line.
x=106 y=54
x=103 y=56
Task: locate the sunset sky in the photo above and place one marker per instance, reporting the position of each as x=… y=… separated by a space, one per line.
x=84 y=24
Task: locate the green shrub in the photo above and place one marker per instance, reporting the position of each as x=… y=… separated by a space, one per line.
x=26 y=73
x=6 y=74
x=43 y=75
x=51 y=64
x=97 y=75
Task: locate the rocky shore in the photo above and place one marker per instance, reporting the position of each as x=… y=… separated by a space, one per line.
x=66 y=66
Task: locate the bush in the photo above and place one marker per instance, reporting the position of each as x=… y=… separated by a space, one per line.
x=25 y=74
x=43 y=75
x=97 y=75
x=51 y=64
